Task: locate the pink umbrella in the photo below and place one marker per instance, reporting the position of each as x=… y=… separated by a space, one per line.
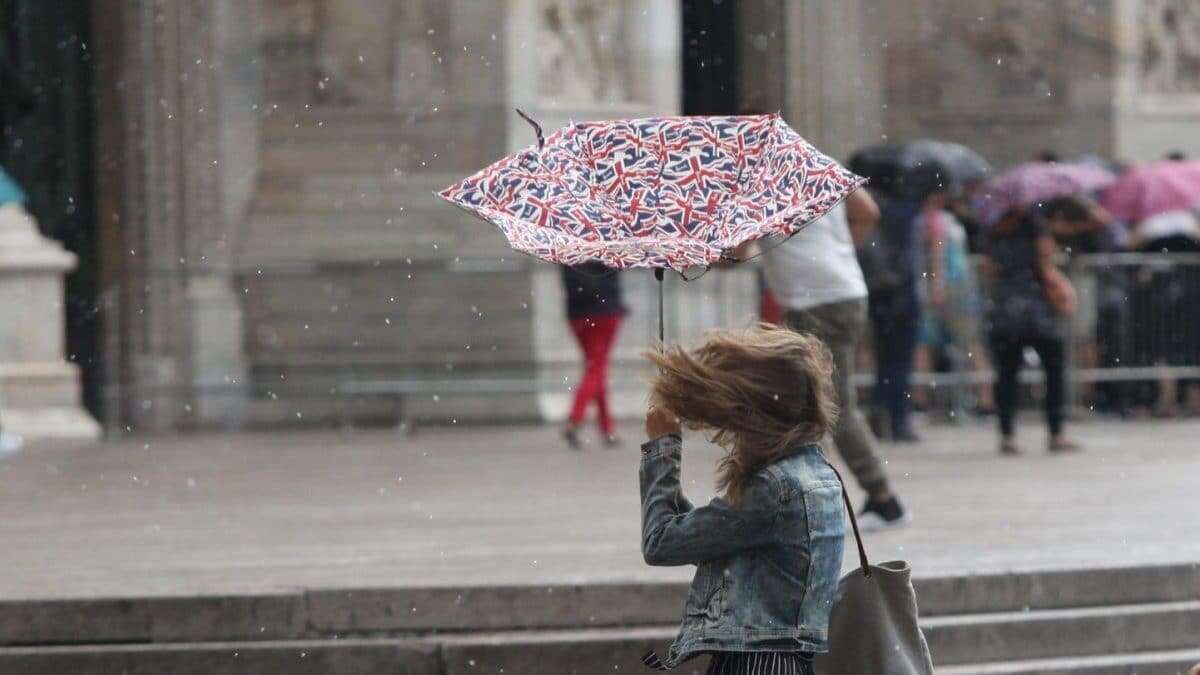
x=1036 y=182
x=1154 y=189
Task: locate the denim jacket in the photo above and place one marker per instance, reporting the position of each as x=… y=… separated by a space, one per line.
x=766 y=569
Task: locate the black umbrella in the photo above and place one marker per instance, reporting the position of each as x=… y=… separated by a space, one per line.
x=917 y=168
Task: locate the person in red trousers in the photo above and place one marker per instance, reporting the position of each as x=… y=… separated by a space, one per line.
x=595 y=311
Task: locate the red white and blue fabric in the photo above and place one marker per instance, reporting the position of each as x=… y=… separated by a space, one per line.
x=664 y=192
x=1035 y=182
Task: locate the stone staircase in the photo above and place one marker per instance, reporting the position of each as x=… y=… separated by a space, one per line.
x=349 y=266
x=1123 y=621
x=356 y=185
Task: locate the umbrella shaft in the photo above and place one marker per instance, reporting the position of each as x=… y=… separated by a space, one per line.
x=658 y=274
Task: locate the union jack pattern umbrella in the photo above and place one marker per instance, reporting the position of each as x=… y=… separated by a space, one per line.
x=662 y=192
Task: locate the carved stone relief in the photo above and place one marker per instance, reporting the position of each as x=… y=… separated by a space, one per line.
x=579 y=51
x=978 y=54
x=1170 y=46
x=355 y=52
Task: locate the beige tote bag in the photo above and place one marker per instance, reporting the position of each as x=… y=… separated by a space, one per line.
x=873 y=628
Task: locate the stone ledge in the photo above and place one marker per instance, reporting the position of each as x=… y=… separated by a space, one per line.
x=322 y=613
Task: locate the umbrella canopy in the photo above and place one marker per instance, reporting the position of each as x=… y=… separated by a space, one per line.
x=664 y=192
x=919 y=167
x=964 y=165
x=1036 y=182
x=1154 y=189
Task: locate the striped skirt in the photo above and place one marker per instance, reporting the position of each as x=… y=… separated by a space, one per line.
x=749 y=663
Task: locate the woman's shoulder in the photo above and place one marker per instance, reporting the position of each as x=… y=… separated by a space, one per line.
x=802 y=470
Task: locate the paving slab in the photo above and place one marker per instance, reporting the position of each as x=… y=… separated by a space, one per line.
x=286 y=512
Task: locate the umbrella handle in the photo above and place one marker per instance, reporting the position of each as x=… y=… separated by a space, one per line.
x=537 y=128
x=658 y=274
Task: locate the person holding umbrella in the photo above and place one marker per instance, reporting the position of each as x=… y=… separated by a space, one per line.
x=595 y=311
x=1028 y=299
x=683 y=193
x=774 y=538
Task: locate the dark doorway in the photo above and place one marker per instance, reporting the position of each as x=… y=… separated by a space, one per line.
x=710 y=57
x=47 y=147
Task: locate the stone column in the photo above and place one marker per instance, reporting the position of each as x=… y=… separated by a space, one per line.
x=171 y=179
x=832 y=87
x=39 y=388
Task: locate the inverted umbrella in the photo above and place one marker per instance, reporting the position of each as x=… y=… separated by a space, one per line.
x=662 y=192
x=1036 y=182
x=1154 y=189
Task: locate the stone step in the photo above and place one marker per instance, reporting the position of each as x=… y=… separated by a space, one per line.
x=304 y=613
x=313 y=657
x=583 y=652
x=284 y=238
x=1047 y=633
x=433 y=138
x=1141 y=663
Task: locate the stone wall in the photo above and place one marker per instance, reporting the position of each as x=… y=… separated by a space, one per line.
x=1158 y=83
x=350 y=269
x=266 y=168
x=1007 y=77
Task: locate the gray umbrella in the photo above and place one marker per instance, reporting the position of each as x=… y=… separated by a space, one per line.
x=963 y=164
x=919 y=167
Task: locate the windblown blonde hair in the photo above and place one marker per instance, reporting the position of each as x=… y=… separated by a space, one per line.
x=757 y=392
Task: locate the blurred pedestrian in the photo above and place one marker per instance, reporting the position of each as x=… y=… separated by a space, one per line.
x=891 y=263
x=1028 y=299
x=1082 y=227
x=949 y=331
x=595 y=311
x=816 y=279
x=766 y=396
x=1165 y=298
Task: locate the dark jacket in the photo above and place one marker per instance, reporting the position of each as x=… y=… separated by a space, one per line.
x=766 y=569
x=592 y=290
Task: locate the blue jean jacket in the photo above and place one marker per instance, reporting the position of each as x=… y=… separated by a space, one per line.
x=766 y=569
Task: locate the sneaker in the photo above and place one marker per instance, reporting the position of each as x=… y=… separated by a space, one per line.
x=1061 y=444
x=1009 y=447
x=570 y=434
x=882 y=515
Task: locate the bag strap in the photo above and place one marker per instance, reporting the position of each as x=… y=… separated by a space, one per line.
x=862 y=551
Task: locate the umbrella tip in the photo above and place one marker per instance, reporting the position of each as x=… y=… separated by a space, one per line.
x=537 y=128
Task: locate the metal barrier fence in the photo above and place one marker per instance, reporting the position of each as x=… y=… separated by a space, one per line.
x=1134 y=342
x=1136 y=338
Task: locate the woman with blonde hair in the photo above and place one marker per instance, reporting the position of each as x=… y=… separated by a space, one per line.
x=768 y=550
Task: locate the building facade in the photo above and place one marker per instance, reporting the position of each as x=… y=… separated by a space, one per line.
x=265 y=230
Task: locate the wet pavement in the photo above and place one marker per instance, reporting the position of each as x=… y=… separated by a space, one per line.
x=252 y=512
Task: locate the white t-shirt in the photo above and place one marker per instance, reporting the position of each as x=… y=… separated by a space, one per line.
x=817 y=266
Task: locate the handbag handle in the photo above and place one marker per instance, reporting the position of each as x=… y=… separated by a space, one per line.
x=862 y=551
